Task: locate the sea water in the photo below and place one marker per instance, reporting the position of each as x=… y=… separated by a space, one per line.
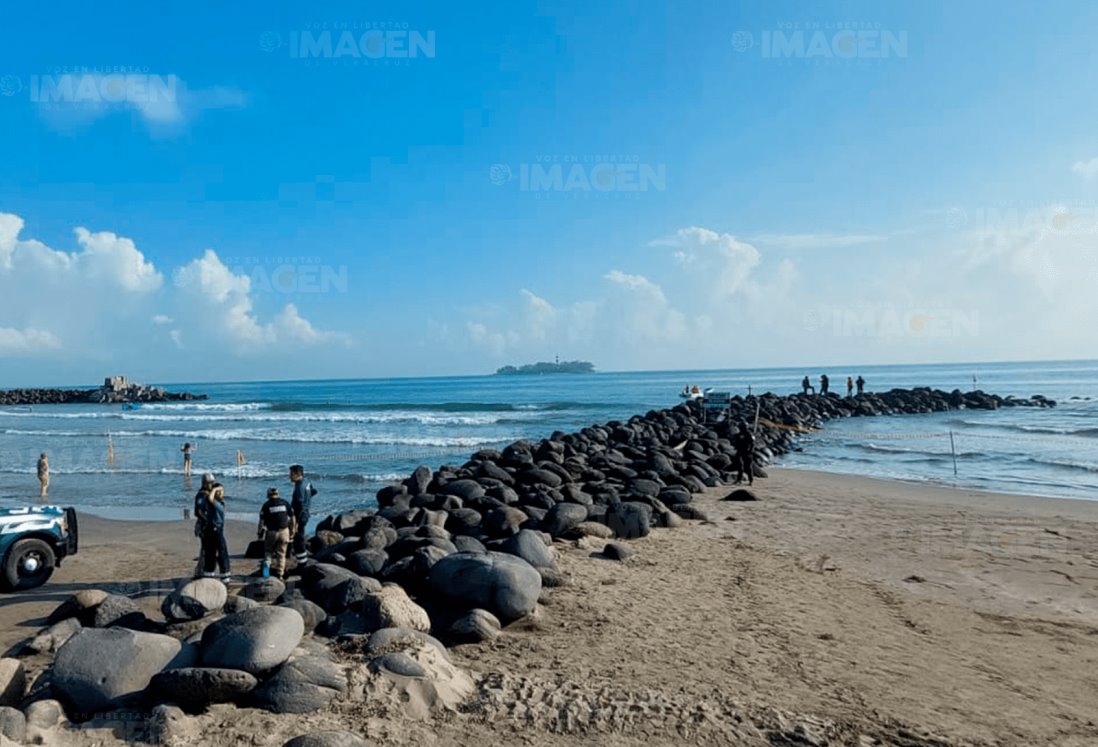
x=355 y=436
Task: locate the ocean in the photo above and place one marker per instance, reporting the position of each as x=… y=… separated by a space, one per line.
x=355 y=436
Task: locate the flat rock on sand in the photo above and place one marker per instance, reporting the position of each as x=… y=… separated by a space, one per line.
x=302 y=685
x=194 y=688
x=99 y=668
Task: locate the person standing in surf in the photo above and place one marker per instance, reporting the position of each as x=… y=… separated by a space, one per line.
x=43 y=475
x=187 y=451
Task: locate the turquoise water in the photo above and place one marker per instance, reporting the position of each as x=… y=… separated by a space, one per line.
x=354 y=436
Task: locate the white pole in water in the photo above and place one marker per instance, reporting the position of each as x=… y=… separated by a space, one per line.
x=755 y=430
x=953 y=451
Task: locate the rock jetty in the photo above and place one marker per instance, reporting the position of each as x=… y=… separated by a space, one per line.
x=448 y=556
x=115 y=390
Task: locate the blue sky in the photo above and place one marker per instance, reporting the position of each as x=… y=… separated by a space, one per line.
x=277 y=213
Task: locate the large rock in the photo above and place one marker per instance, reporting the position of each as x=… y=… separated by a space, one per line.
x=255 y=640
x=195 y=688
x=118 y=610
x=301 y=686
x=528 y=545
x=505 y=585
x=393 y=608
x=13 y=724
x=563 y=517
x=466 y=490
x=311 y=612
x=13 y=682
x=263 y=590
x=475 y=627
x=80 y=605
x=629 y=520
x=195 y=599
x=50 y=639
x=328 y=739
x=99 y=668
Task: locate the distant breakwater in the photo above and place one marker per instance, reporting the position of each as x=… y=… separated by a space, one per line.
x=99 y=396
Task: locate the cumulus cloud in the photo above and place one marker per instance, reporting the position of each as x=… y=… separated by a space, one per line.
x=225 y=303
x=97 y=302
x=638 y=317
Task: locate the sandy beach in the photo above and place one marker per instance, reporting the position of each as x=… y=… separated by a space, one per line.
x=837 y=609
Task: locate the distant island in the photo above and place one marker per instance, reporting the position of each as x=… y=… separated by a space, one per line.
x=545 y=367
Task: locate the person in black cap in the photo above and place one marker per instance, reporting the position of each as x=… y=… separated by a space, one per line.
x=744 y=444
x=276 y=525
x=301 y=503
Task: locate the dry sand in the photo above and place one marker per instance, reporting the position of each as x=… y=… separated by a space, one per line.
x=838 y=609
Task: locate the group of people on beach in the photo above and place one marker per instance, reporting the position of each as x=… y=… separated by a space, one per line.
x=282 y=526
x=825 y=385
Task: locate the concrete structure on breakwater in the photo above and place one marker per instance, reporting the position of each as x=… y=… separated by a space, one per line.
x=115 y=390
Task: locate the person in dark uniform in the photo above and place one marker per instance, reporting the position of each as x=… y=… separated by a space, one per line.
x=849 y=387
x=301 y=503
x=215 y=553
x=276 y=526
x=861 y=384
x=806 y=385
x=744 y=444
x=201 y=506
x=824 y=383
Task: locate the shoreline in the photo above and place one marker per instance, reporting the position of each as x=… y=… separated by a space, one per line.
x=165 y=513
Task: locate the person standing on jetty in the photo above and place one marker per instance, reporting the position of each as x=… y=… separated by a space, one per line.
x=849 y=386
x=187 y=451
x=861 y=385
x=806 y=385
x=824 y=383
x=43 y=475
x=214 y=550
x=276 y=525
x=744 y=444
x=301 y=503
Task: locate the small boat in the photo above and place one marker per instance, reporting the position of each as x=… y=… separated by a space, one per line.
x=692 y=393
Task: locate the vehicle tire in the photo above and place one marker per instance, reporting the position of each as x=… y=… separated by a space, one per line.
x=28 y=564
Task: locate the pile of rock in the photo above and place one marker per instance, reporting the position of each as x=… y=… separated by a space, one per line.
x=253 y=649
x=101 y=395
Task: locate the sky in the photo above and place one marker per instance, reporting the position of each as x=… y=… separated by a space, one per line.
x=243 y=191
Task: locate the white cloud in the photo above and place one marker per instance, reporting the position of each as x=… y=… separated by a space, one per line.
x=107 y=256
x=21 y=341
x=224 y=301
x=163 y=102
x=636 y=318
x=96 y=303
x=1086 y=169
x=804 y=241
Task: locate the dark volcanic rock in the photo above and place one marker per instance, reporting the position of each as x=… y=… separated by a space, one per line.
x=505 y=585
x=195 y=688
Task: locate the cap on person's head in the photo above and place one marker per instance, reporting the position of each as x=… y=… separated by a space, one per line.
x=43 y=455
x=297 y=469
x=272 y=493
x=208 y=478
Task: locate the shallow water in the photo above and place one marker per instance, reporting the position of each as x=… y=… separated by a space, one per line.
x=354 y=436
